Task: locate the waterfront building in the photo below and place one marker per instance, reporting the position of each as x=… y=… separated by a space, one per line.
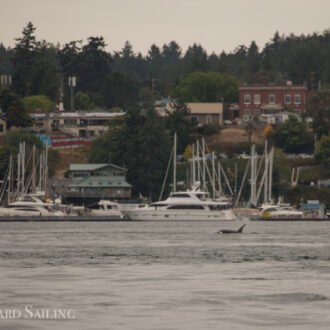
x=89 y=183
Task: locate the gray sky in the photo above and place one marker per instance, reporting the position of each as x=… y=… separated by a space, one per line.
x=215 y=24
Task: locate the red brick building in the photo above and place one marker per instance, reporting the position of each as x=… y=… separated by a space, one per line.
x=255 y=100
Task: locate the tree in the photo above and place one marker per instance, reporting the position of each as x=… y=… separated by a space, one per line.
x=318 y=107
x=94 y=65
x=82 y=101
x=178 y=121
x=195 y=59
x=156 y=150
x=267 y=133
x=140 y=143
x=23 y=58
x=249 y=130
x=120 y=90
x=13 y=109
x=37 y=102
x=253 y=58
x=35 y=63
x=188 y=153
x=293 y=136
x=322 y=152
x=207 y=87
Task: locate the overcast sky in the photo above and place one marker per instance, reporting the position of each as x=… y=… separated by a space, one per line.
x=215 y=24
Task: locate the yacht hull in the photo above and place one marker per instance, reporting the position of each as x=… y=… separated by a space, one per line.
x=167 y=215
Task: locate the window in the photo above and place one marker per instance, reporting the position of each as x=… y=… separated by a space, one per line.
x=158 y=205
x=256 y=98
x=297 y=99
x=271 y=99
x=247 y=99
x=247 y=112
x=256 y=112
x=186 y=207
x=194 y=120
x=70 y=122
x=181 y=195
x=287 y=99
x=98 y=122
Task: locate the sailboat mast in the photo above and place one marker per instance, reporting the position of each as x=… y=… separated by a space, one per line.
x=10 y=178
x=174 y=163
x=271 y=162
x=23 y=167
x=19 y=170
x=213 y=175
x=46 y=172
x=34 y=169
x=266 y=173
x=198 y=163
x=193 y=166
x=204 y=165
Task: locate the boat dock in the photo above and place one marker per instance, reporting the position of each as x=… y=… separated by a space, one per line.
x=58 y=218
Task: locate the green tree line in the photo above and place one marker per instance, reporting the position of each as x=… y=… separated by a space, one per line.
x=115 y=79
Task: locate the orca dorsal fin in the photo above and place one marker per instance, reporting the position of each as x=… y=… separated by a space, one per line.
x=241 y=229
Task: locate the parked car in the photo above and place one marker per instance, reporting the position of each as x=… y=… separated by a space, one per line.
x=222 y=156
x=180 y=158
x=305 y=156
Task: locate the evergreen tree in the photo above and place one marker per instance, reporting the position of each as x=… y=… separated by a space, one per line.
x=293 y=136
x=12 y=107
x=177 y=121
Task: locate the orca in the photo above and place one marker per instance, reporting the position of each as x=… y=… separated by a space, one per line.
x=228 y=231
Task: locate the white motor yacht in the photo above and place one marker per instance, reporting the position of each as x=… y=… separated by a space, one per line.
x=188 y=205
x=30 y=206
x=107 y=209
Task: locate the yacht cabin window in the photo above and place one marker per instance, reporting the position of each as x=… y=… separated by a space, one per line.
x=181 y=195
x=186 y=207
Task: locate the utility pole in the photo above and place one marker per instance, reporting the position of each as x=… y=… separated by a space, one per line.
x=153 y=90
x=312 y=80
x=72 y=85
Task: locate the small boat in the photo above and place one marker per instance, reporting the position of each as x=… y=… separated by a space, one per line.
x=107 y=208
x=279 y=212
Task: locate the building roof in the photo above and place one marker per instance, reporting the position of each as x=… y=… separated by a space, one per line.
x=77 y=114
x=93 y=167
x=271 y=87
x=205 y=108
x=101 y=182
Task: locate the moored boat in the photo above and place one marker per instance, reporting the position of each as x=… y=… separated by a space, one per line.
x=185 y=205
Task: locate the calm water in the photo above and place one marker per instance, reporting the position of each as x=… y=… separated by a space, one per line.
x=172 y=275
